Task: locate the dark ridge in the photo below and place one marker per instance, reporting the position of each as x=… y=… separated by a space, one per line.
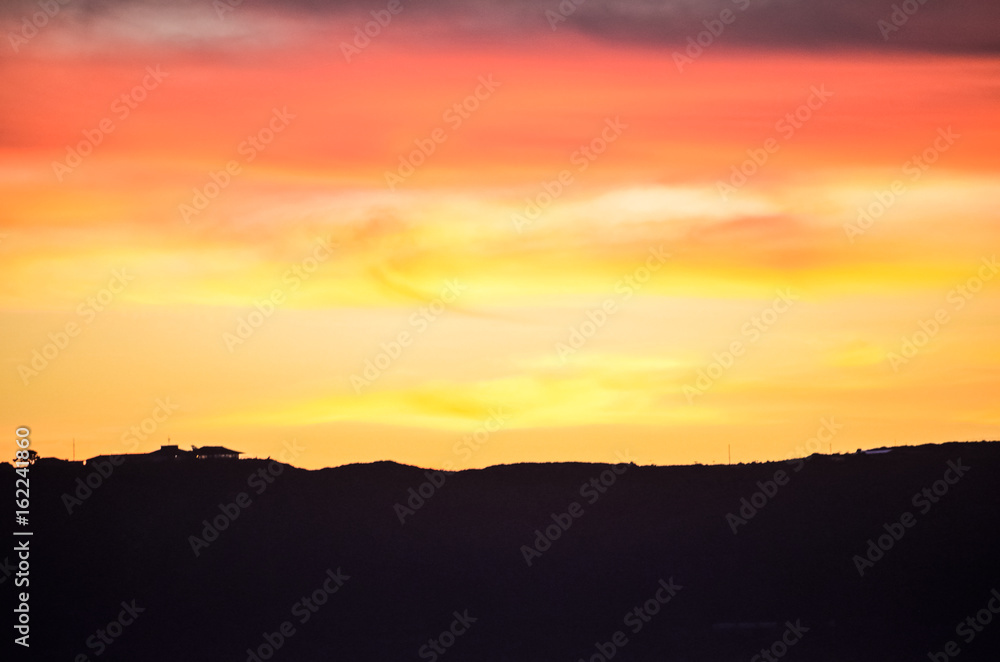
x=462 y=548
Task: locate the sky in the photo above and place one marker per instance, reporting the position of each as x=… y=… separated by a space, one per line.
x=463 y=234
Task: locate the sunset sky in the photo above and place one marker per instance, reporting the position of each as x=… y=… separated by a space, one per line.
x=501 y=221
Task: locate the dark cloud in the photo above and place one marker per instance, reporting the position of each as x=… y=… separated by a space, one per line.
x=928 y=25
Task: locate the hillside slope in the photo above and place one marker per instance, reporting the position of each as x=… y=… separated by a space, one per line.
x=410 y=591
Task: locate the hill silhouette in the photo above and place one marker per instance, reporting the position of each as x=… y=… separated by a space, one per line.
x=651 y=563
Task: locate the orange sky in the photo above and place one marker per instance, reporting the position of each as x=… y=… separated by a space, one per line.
x=152 y=298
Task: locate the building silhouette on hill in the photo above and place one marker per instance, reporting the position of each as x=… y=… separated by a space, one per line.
x=174 y=454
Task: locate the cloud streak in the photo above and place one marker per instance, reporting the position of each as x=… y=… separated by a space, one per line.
x=967 y=26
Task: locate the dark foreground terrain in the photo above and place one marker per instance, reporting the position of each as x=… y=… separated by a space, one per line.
x=316 y=565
